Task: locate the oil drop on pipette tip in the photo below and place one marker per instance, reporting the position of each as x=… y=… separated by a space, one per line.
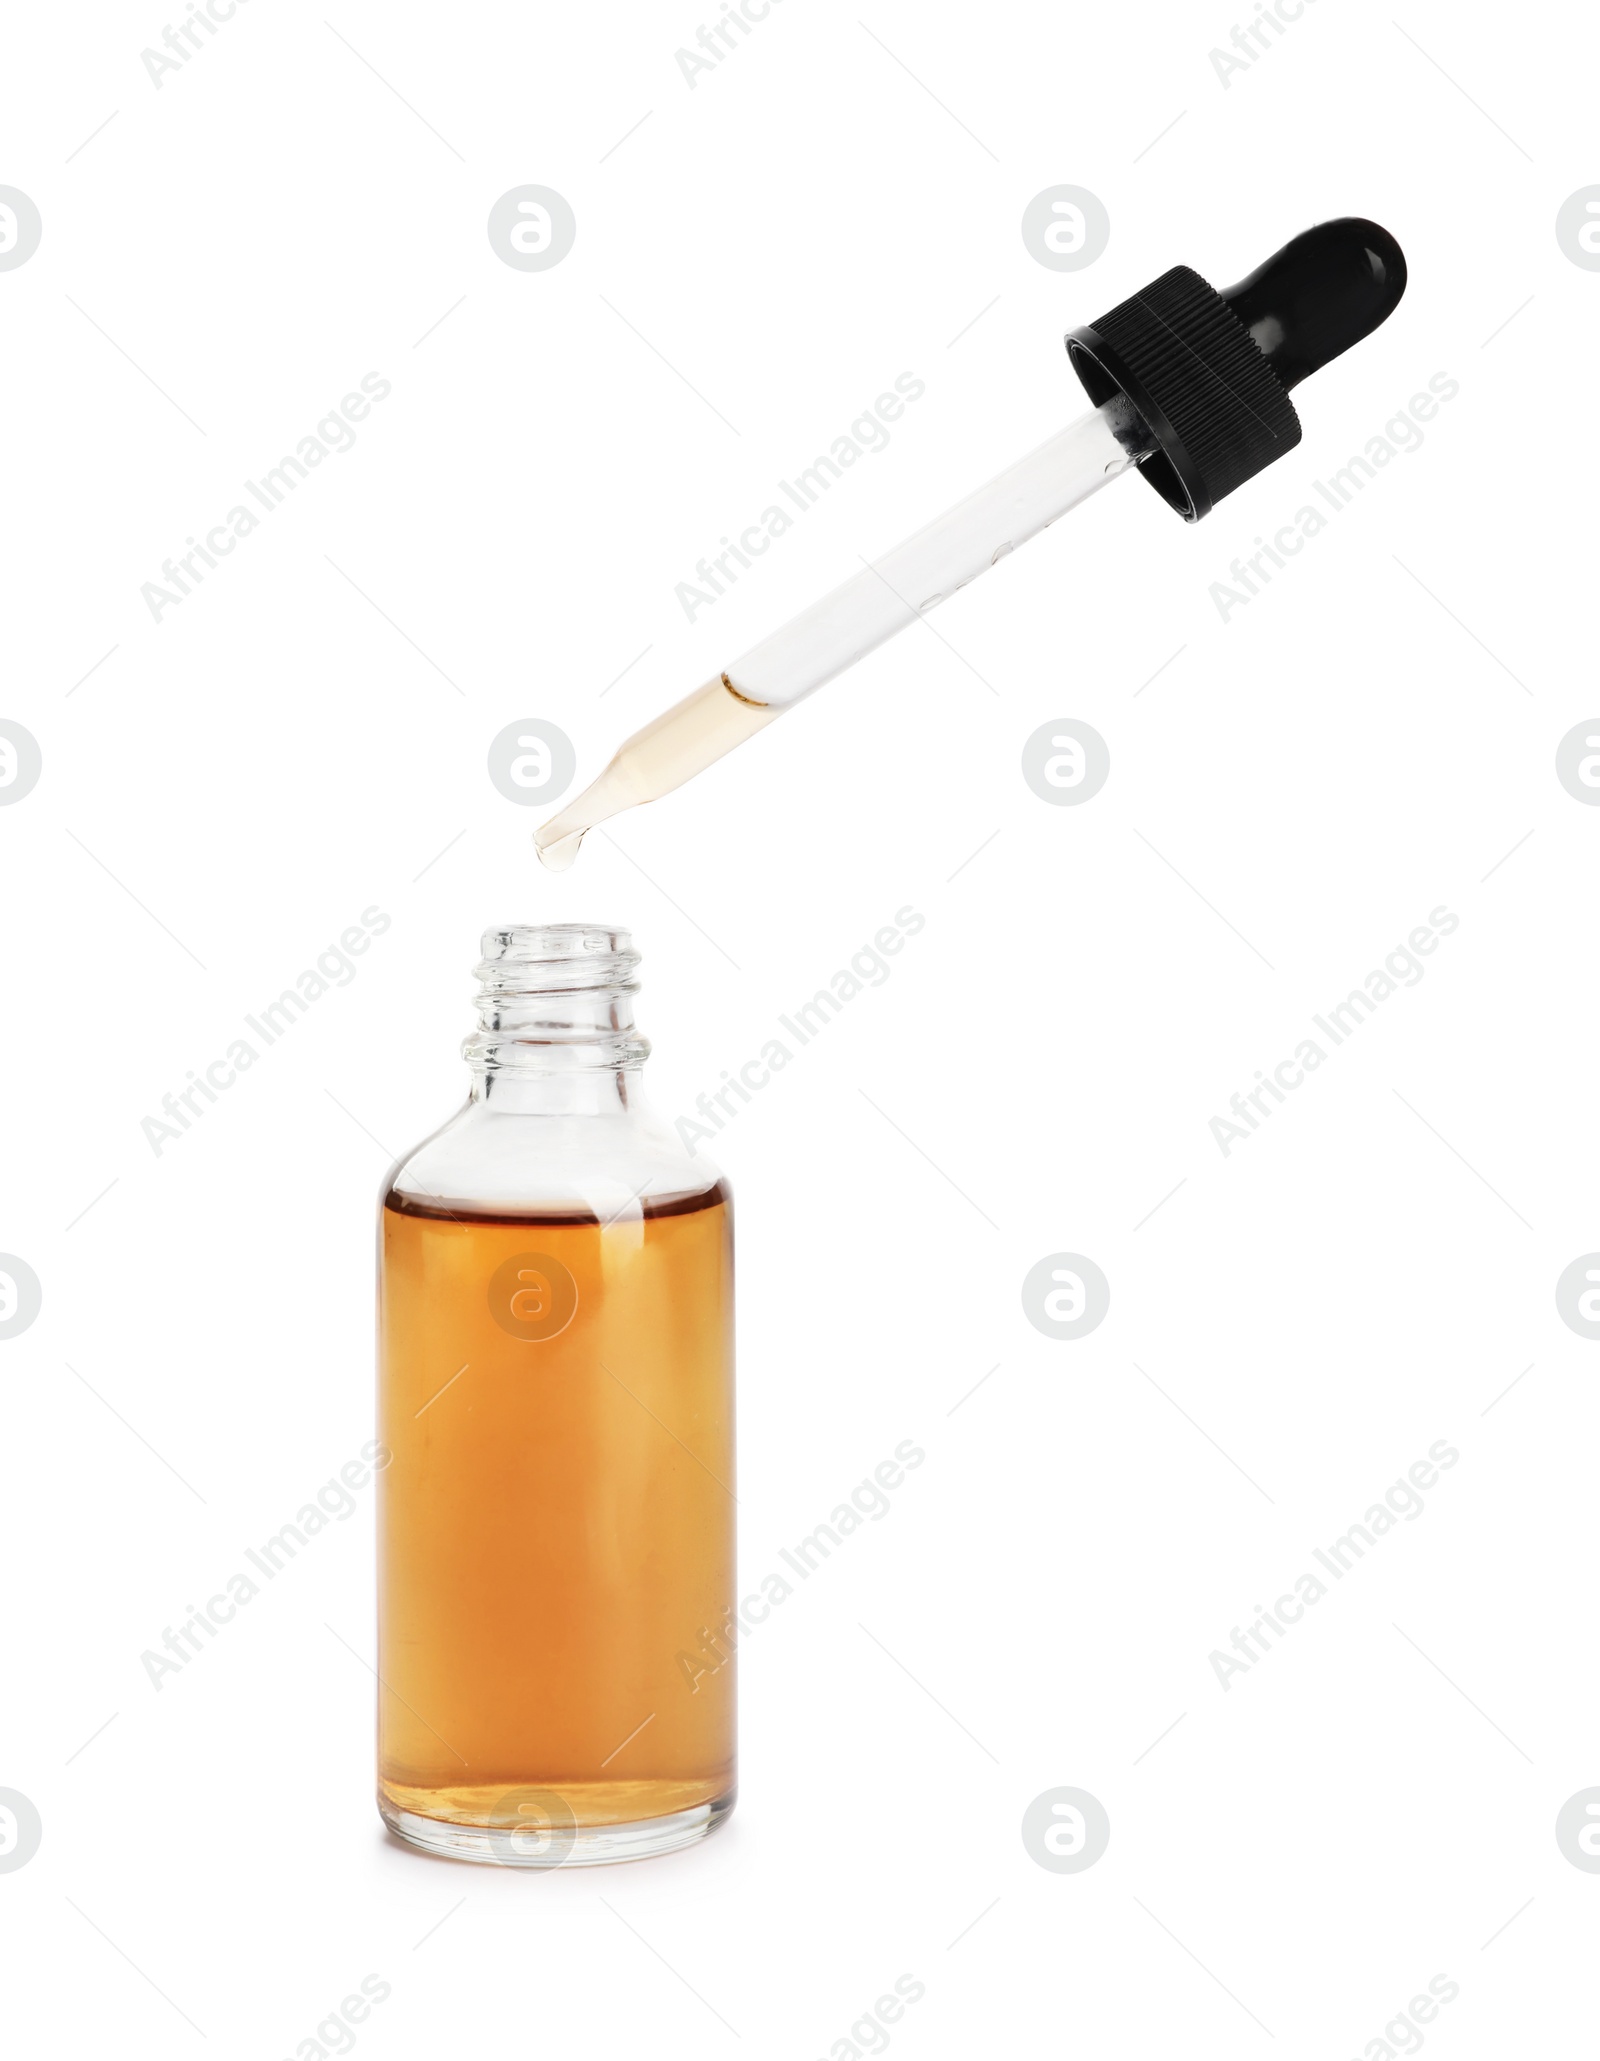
x=558 y=857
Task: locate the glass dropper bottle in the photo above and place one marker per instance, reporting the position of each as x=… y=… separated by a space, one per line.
x=1191 y=388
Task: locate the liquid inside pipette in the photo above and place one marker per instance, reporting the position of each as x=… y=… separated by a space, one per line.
x=690 y=736
x=829 y=636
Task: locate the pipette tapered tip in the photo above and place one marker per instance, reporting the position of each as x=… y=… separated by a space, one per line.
x=559 y=854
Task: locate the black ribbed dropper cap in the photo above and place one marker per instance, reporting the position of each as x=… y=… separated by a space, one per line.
x=1210 y=372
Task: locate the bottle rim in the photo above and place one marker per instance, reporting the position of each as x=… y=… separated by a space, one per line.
x=556 y=998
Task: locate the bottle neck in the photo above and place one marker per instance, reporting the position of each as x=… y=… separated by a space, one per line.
x=526 y=1094
x=556 y=1034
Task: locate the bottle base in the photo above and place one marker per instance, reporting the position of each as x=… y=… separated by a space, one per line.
x=550 y=1841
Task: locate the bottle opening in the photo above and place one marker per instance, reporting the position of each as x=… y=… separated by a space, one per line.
x=556 y=998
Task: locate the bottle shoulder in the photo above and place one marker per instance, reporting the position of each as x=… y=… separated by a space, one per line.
x=489 y=1163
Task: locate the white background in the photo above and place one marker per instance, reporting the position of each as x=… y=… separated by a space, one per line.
x=1370 y=1806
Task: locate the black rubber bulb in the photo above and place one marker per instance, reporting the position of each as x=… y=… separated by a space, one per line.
x=1321 y=293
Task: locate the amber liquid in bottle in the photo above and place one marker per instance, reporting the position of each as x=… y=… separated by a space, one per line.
x=556 y=1524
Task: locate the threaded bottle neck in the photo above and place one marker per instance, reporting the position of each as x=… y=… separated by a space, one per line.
x=555 y=998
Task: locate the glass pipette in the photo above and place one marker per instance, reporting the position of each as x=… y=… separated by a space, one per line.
x=1191 y=388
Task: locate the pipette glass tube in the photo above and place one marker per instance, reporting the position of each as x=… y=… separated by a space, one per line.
x=817 y=645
